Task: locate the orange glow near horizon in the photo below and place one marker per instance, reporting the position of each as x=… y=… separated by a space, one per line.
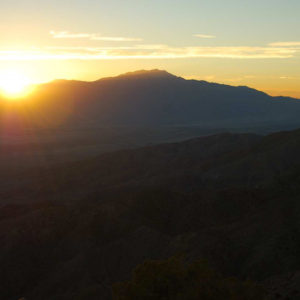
x=18 y=80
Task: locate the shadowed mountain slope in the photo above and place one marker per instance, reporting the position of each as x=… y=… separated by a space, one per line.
x=156 y=98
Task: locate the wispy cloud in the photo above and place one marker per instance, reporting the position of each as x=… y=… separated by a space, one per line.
x=290 y=77
x=205 y=36
x=90 y=36
x=115 y=39
x=239 y=52
x=285 y=44
x=199 y=77
x=220 y=79
x=68 y=35
x=144 y=51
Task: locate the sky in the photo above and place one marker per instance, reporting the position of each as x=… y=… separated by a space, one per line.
x=237 y=42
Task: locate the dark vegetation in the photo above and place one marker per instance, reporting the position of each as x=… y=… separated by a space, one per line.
x=72 y=230
x=172 y=279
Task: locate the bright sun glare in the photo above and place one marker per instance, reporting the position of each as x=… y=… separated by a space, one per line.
x=14 y=84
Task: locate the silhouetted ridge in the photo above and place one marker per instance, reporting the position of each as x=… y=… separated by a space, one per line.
x=156 y=97
x=141 y=74
x=156 y=73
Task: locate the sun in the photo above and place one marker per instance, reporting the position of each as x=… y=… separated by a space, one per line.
x=14 y=84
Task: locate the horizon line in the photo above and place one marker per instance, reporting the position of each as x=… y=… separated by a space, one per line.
x=187 y=78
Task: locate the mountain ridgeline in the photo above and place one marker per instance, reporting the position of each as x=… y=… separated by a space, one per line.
x=156 y=98
x=132 y=172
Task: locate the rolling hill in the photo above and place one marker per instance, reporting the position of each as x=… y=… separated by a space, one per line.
x=70 y=230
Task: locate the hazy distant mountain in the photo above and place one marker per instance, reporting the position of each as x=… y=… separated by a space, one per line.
x=158 y=98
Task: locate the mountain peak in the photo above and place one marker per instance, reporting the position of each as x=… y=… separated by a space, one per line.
x=149 y=73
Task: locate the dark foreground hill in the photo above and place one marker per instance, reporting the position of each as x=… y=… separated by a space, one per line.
x=231 y=199
x=155 y=98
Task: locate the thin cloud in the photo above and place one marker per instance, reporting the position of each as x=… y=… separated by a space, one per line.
x=199 y=77
x=285 y=44
x=90 y=36
x=218 y=79
x=205 y=36
x=115 y=39
x=96 y=49
x=68 y=35
x=289 y=78
x=146 y=52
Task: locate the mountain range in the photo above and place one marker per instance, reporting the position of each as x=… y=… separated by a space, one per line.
x=72 y=229
x=155 y=98
x=82 y=204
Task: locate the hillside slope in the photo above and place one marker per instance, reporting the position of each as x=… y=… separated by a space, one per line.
x=232 y=199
